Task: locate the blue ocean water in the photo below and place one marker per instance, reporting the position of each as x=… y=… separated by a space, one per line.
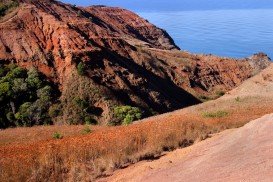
x=230 y=33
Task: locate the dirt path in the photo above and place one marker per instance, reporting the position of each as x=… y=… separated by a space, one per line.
x=244 y=154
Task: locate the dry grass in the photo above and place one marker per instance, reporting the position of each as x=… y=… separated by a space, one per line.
x=39 y=133
x=99 y=152
x=79 y=157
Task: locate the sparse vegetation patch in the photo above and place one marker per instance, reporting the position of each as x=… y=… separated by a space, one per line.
x=217 y=114
x=238 y=99
x=86 y=130
x=81 y=67
x=204 y=98
x=220 y=93
x=5 y=6
x=57 y=135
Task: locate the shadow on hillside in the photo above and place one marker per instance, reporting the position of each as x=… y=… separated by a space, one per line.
x=170 y=96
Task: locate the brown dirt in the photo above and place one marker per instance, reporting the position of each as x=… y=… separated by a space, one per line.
x=244 y=154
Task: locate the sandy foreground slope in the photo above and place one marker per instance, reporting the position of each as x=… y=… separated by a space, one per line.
x=244 y=154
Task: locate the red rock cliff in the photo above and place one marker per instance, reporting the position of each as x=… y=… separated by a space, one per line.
x=130 y=61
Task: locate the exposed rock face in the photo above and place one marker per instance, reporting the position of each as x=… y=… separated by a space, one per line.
x=130 y=61
x=207 y=74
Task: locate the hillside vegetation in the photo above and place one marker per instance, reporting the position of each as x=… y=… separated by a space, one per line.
x=85 y=157
x=102 y=58
x=26 y=97
x=7 y=5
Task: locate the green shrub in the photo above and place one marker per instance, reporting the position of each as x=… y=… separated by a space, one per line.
x=10 y=116
x=127 y=114
x=81 y=68
x=54 y=110
x=5 y=6
x=90 y=121
x=204 y=98
x=15 y=73
x=217 y=114
x=86 y=130
x=23 y=115
x=45 y=93
x=152 y=112
x=5 y=89
x=220 y=93
x=19 y=85
x=72 y=121
x=10 y=67
x=128 y=120
x=237 y=99
x=81 y=103
x=2 y=71
x=57 y=135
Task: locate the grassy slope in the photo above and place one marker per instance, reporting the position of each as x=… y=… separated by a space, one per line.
x=82 y=157
x=242 y=154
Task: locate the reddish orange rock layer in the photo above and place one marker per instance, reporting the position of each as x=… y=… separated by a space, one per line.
x=130 y=60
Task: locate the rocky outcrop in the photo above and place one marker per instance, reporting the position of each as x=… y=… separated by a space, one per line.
x=128 y=60
x=206 y=75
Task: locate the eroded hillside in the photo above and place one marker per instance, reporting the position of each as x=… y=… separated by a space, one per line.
x=108 y=57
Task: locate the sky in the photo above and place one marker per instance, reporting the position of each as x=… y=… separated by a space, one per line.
x=177 y=5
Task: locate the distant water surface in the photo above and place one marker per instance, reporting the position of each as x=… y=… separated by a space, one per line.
x=231 y=33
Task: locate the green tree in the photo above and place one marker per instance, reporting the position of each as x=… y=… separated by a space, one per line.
x=34 y=79
x=25 y=97
x=16 y=73
x=10 y=116
x=24 y=115
x=19 y=85
x=5 y=89
x=45 y=93
x=127 y=114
